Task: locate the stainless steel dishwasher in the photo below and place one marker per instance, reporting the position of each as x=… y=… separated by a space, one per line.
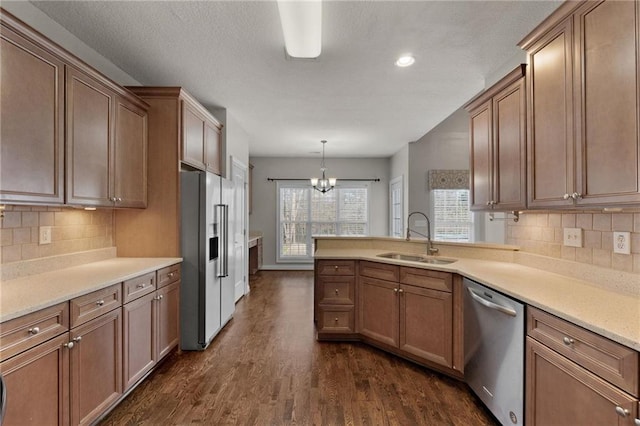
x=494 y=351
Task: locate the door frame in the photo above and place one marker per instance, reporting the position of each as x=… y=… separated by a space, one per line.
x=392 y=182
x=242 y=167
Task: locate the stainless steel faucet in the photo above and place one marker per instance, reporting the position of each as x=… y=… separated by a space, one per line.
x=430 y=248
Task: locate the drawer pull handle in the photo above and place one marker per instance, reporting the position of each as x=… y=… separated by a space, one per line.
x=35 y=330
x=568 y=341
x=69 y=345
x=100 y=302
x=140 y=286
x=335 y=267
x=159 y=298
x=401 y=291
x=170 y=274
x=336 y=319
x=77 y=339
x=622 y=412
x=337 y=292
x=395 y=290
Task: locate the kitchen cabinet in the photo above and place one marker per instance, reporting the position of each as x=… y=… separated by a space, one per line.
x=574 y=376
x=95 y=366
x=37 y=383
x=334 y=307
x=32 y=133
x=177 y=129
x=69 y=134
x=167 y=310
x=396 y=313
x=201 y=138
x=255 y=254
x=582 y=93
x=498 y=145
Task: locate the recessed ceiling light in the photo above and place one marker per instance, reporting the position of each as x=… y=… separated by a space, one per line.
x=405 y=61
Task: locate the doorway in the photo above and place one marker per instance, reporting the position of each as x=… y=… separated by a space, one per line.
x=239 y=178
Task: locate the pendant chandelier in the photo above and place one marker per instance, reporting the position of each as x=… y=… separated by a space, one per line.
x=323 y=184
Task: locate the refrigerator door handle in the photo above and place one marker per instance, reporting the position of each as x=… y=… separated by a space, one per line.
x=223 y=241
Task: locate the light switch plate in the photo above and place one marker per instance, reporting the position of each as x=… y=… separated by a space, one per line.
x=622 y=242
x=45 y=235
x=573 y=237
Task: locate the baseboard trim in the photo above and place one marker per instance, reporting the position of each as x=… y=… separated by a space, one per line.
x=288 y=267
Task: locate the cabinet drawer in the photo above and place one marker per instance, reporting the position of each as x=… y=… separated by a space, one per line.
x=425 y=278
x=611 y=361
x=27 y=331
x=92 y=305
x=336 y=319
x=168 y=275
x=339 y=290
x=336 y=267
x=138 y=286
x=381 y=271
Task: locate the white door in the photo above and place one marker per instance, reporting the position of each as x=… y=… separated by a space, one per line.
x=396 y=201
x=240 y=266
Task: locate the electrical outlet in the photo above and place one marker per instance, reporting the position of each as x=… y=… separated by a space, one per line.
x=622 y=242
x=573 y=237
x=45 y=235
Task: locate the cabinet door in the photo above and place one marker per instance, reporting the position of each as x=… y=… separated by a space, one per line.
x=509 y=152
x=192 y=137
x=426 y=324
x=139 y=354
x=550 y=99
x=32 y=131
x=130 y=155
x=560 y=392
x=213 y=148
x=96 y=366
x=37 y=385
x=608 y=142
x=168 y=316
x=481 y=157
x=378 y=310
x=89 y=140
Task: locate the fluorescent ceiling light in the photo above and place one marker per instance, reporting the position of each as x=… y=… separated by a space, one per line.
x=302 y=27
x=405 y=61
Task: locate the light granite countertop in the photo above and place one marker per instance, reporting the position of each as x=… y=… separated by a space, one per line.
x=28 y=294
x=615 y=315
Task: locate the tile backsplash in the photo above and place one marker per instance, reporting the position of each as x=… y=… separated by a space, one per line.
x=72 y=230
x=542 y=233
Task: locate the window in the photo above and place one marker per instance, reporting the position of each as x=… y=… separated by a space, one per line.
x=453 y=220
x=304 y=212
x=395 y=207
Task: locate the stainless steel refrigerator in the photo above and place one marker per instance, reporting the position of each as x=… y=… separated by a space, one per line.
x=207 y=289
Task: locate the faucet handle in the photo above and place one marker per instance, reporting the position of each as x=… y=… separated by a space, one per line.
x=433 y=250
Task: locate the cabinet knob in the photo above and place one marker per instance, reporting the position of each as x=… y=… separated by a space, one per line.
x=637 y=422
x=566 y=196
x=622 y=412
x=400 y=291
x=159 y=298
x=140 y=285
x=488 y=203
x=567 y=341
x=100 y=302
x=335 y=267
x=69 y=345
x=77 y=339
x=337 y=292
x=336 y=319
x=170 y=274
x=395 y=290
x=576 y=195
x=35 y=330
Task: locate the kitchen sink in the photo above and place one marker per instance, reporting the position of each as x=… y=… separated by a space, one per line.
x=417 y=258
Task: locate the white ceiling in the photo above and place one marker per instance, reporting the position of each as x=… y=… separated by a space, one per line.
x=231 y=54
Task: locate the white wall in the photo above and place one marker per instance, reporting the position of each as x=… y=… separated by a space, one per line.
x=263 y=217
x=37 y=19
x=400 y=167
x=446 y=146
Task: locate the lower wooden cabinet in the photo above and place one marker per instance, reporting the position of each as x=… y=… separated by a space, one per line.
x=95 y=366
x=37 y=383
x=560 y=392
x=168 y=318
x=378 y=307
x=334 y=304
x=140 y=331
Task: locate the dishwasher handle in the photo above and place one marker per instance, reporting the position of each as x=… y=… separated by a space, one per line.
x=491 y=305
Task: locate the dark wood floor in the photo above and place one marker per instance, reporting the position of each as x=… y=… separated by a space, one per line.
x=266 y=368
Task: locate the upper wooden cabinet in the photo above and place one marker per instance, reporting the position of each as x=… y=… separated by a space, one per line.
x=498 y=145
x=200 y=137
x=178 y=128
x=69 y=134
x=582 y=89
x=32 y=131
